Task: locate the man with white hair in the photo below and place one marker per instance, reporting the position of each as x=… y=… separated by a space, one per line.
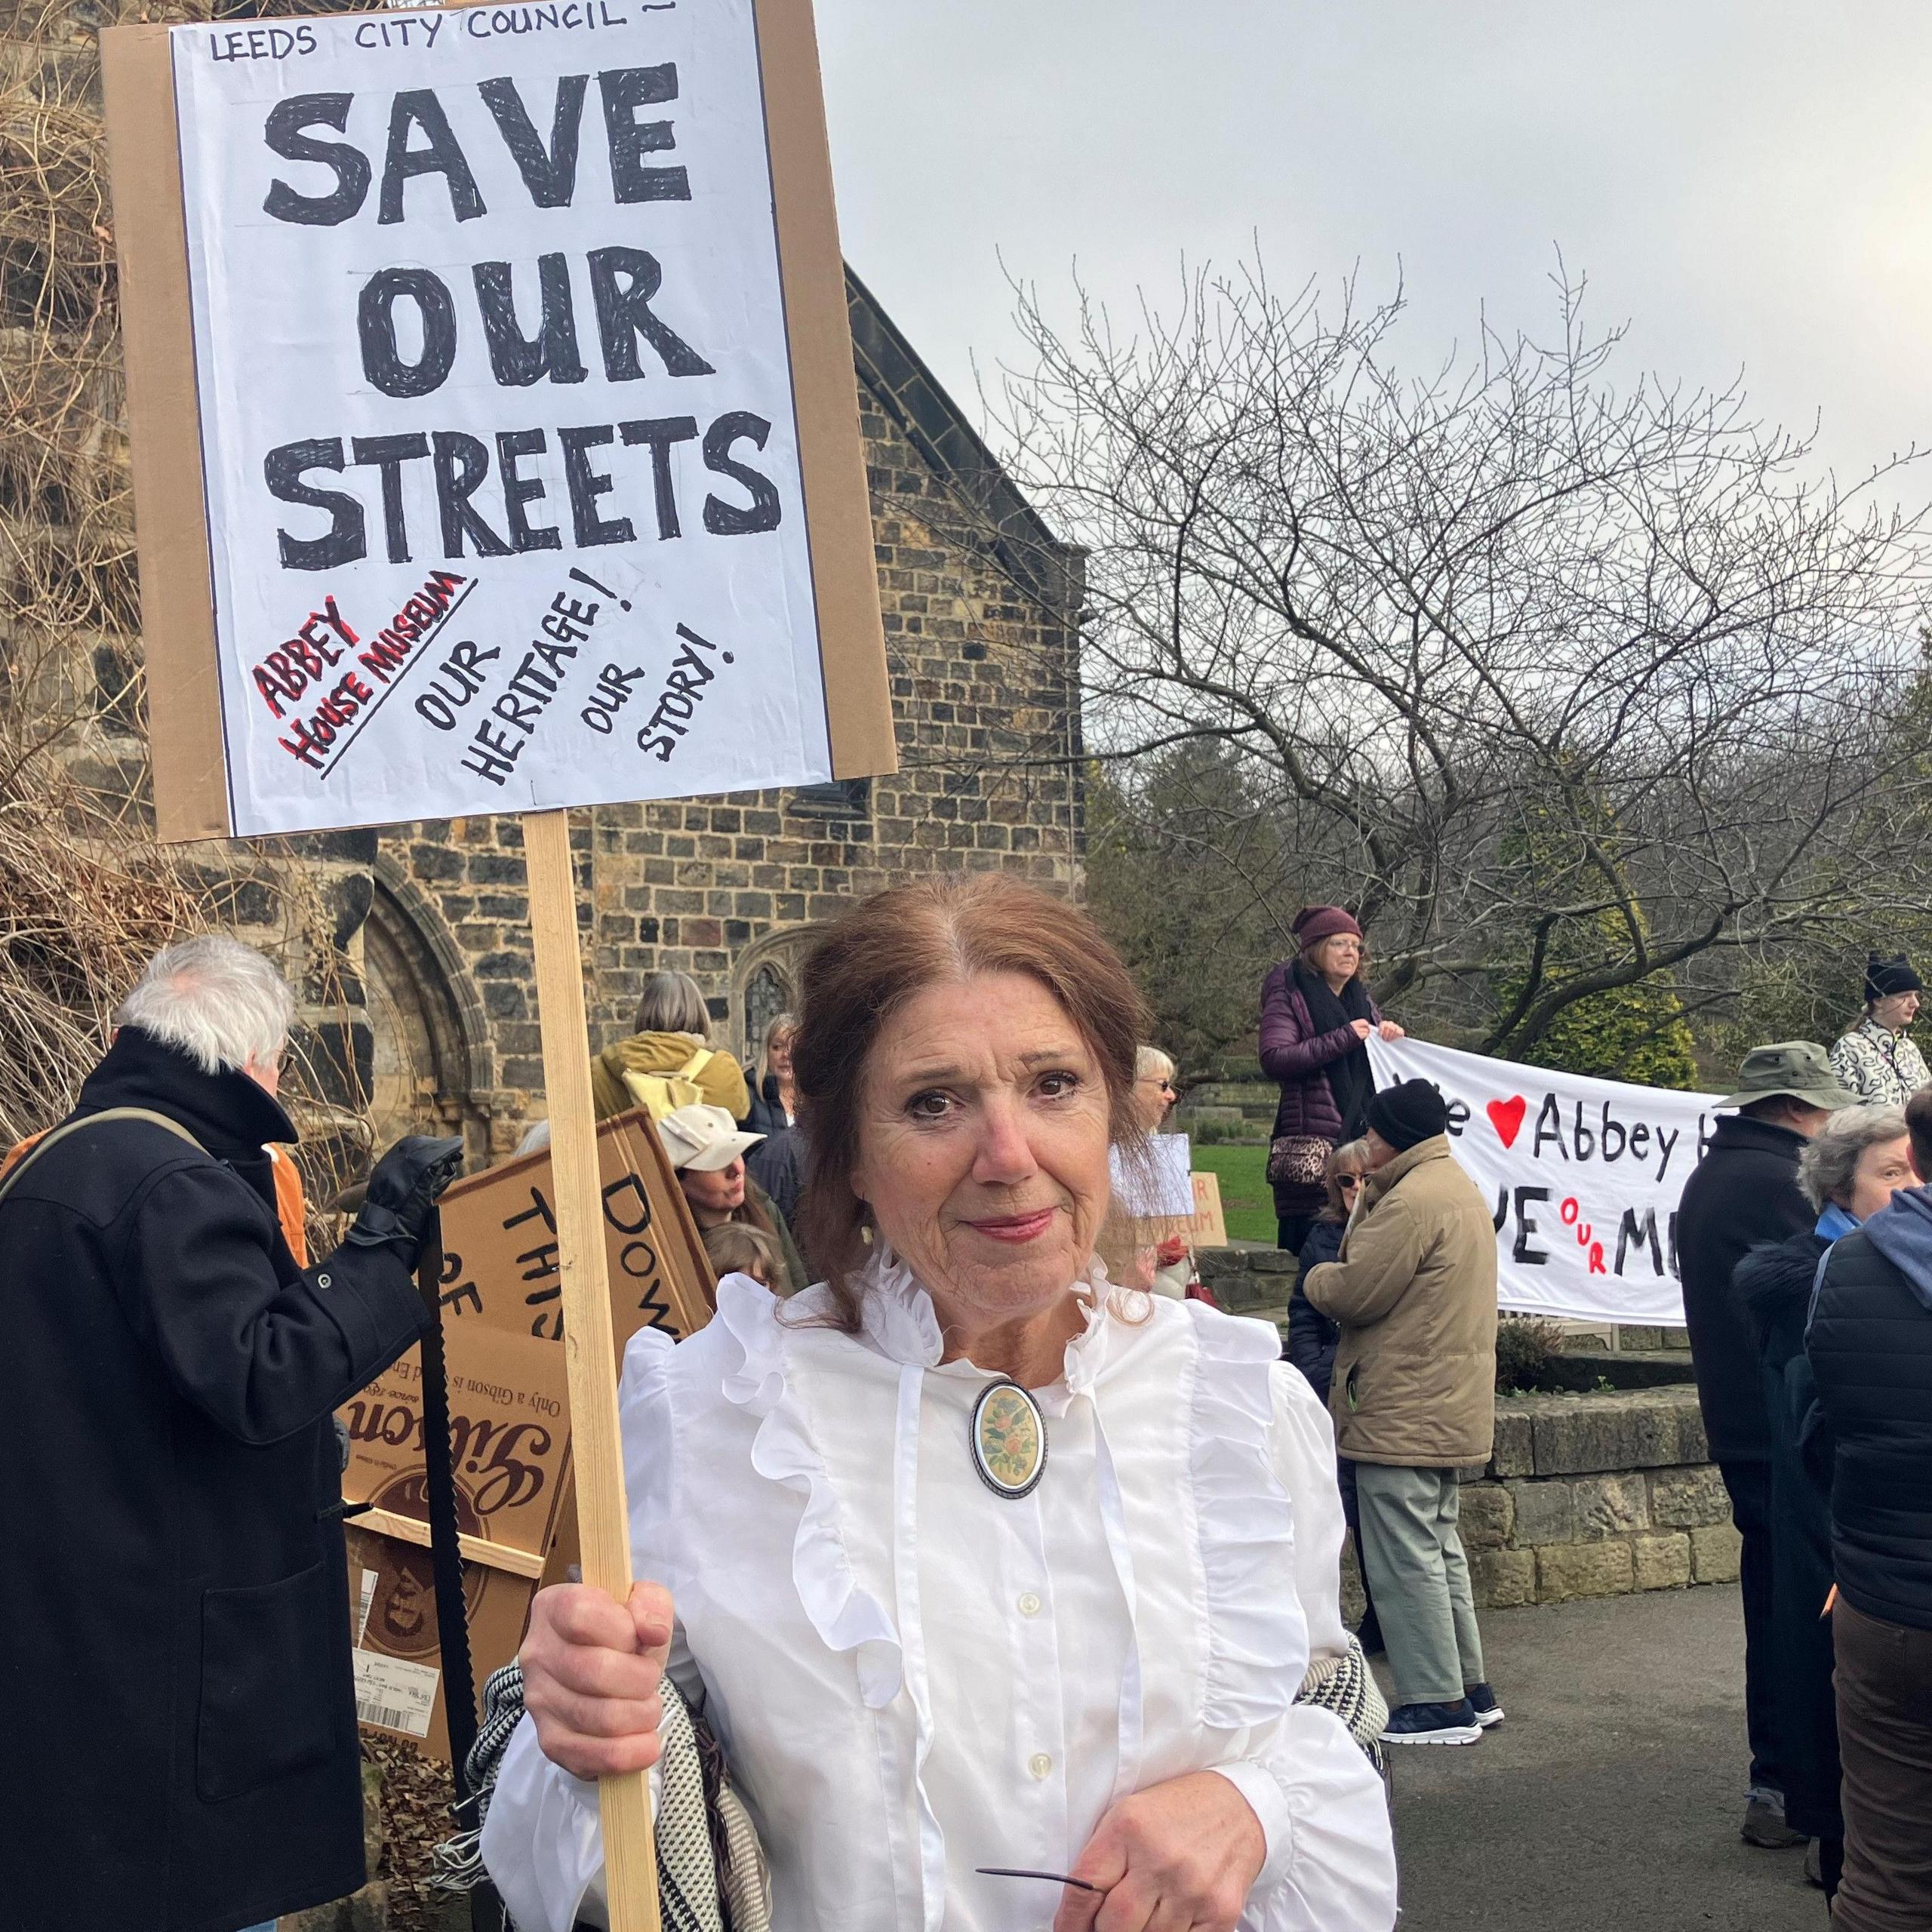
x=174 y=1633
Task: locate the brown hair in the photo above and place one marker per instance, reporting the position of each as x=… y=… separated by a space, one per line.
x=738 y=1247
x=889 y=948
x=1918 y=1126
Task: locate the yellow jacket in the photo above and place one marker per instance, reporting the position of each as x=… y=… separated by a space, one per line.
x=720 y=1080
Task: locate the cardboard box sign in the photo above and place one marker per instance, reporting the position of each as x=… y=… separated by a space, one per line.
x=509 y=1436
x=397 y=1658
x=1210 y=1224
x=499 y=1244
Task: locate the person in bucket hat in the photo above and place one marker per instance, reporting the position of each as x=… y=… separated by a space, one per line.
x=1743 y=1193
x=1799 y=1070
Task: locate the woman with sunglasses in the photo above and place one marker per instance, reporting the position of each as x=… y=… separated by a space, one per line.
x=1168 y=1269
x=1312 y=1337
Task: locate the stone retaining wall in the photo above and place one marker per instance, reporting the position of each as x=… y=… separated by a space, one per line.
x=1586 y=1496
x=1597 y=1495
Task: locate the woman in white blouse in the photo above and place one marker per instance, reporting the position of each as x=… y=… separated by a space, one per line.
x=973 y=1559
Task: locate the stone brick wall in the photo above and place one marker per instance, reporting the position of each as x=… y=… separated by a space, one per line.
x=1594 y=1495
x=1586 y=1496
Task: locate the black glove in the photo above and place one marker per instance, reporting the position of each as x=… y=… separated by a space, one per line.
x=403 y=1189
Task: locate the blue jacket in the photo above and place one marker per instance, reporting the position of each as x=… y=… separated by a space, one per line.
x=1312 y=1336
x=1870 y=1343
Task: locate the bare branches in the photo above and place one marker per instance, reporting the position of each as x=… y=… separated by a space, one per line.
x=1583 y=680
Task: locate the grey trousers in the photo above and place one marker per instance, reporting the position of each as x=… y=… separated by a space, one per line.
x=1419 y=1578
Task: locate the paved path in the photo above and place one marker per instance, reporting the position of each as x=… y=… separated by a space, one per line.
x=1610 y=1800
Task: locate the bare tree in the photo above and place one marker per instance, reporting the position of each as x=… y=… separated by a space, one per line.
x=1565 y=686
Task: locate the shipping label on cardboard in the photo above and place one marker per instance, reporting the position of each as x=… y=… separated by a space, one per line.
x=393 y=1695
x=403 y=1637
x=499 y=1244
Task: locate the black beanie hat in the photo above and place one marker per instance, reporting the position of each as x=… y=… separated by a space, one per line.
x=1413 y=1111
x=1883 y=977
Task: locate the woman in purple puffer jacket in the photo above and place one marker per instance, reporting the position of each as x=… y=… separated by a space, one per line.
x=1316 y=1016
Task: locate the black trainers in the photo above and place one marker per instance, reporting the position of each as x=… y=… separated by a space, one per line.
x=1482 y=1700
x=1434 y=1723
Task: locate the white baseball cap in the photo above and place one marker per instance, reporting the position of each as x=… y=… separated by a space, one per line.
x=703 y=1139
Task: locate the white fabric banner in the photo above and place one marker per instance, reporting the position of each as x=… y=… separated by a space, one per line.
x=497 y=413
x=1582 y=1177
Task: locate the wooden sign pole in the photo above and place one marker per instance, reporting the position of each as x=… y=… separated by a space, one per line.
x=630 y=1858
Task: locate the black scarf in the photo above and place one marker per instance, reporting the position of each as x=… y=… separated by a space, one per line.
x=1349 y=1079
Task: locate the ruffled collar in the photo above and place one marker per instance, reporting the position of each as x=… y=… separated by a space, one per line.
x=898 y=1319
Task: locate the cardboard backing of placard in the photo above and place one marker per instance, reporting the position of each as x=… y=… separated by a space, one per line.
x=398 y=1655
x=499 y=1244
x=1210 y=1223
x=171 y=538
x=509 y=1417
x=509 y=1438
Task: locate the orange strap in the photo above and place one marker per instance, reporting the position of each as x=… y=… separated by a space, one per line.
x=290 y=1210
x=20 y=1148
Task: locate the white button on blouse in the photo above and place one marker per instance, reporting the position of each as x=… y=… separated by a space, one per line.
x=880 y=1640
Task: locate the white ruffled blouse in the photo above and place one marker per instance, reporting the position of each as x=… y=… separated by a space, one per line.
x=913 y=1677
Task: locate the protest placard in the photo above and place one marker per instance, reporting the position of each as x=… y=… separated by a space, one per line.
x=500 y=1251
x=397 y=1653
x=509 y=1438
x=1210 y=1223
x=510 y=1448
x=494 y=429
x=1583 y=1178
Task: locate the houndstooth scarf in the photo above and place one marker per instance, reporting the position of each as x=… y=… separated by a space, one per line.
x=1346 y=1686
x=710 y=1870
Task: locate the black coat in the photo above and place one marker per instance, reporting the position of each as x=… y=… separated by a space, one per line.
x=1774 y=1287
x=1871 y=1348
x=777 y=1164
x=768 y=1110
x=1743 y=1193
x=174 y=1637
x=1312 y=1335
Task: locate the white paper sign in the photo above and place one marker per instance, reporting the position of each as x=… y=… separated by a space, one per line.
x=1158 y=1185
x=503 y=483
x=1583 y=1178
x=394 y=1694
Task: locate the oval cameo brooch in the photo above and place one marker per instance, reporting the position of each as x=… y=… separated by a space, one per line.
x=1009 y=1438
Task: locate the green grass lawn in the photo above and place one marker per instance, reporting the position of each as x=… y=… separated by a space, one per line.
x=1246 y=1198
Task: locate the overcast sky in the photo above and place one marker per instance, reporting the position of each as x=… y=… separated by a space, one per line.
x=1747 y=185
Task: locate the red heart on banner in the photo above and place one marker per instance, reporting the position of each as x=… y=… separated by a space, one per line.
x=1506 y=1117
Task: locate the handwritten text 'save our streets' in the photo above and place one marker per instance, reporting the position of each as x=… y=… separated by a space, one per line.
x=536 y=326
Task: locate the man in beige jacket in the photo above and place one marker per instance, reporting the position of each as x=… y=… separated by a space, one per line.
x=1414 y=1400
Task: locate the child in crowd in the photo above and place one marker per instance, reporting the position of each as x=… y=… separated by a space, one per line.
x=736 y=1248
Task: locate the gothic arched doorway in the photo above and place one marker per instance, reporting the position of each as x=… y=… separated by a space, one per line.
x=764 y=983
x=429 y=1073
